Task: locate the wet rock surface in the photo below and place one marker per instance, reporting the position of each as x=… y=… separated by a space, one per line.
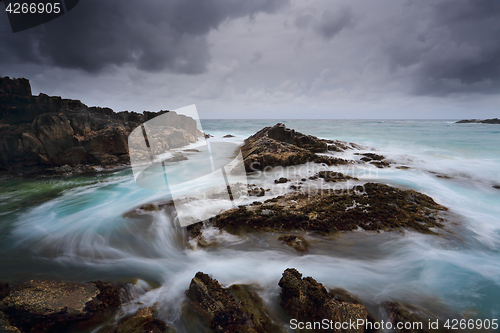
x=142 y=322
x=281 y=146
x=307 y=300
x=372 y=206
x=44 y=306
x=51 y=135
x=233 y=309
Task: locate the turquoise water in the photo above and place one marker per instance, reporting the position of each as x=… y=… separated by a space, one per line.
x=74 y=228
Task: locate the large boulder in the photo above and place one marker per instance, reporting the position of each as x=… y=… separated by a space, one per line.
x=43 y=306
x=307 y=300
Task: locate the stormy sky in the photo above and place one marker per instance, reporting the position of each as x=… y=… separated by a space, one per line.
x=269 y=58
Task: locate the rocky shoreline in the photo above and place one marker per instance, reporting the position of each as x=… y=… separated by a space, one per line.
x=50 y=306
x=50 y=135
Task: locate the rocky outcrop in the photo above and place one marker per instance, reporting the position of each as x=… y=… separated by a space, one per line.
x=234 y=309
x=478 y=121
x=40 y=134
x=142 y=322
x=281 y=146
x=371 y=206
x=307 y=300
x=45 y=306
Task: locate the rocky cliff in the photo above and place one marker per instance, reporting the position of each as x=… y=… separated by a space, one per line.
x=43 y=134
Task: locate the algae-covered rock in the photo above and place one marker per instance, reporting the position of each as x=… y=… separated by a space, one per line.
x=49 y=305
x=307 y=300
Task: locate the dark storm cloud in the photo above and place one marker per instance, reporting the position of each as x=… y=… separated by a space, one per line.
x=333 y=22
x=327 y=24
x=458 y=52
x=150 y=34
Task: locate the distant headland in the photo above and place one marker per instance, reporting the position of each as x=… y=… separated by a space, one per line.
x=479 y=121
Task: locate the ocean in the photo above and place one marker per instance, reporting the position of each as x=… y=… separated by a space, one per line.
x=74 y=227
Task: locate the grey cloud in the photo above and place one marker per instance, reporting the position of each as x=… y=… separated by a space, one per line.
x=333 y=22
x=151 y=35
x=458 y=53
x=302 y=21
x=256 y=57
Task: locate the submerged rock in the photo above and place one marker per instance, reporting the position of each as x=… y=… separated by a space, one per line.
x=296 y=242
x=307 y=300
x=281 y=146
x=370 y=207
x=370 y=157
x=282 y=180
x=375 y=159
x=142 y=322
x=228 y=136
x=332 y=176
x=42 y=306
x=233 y=309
